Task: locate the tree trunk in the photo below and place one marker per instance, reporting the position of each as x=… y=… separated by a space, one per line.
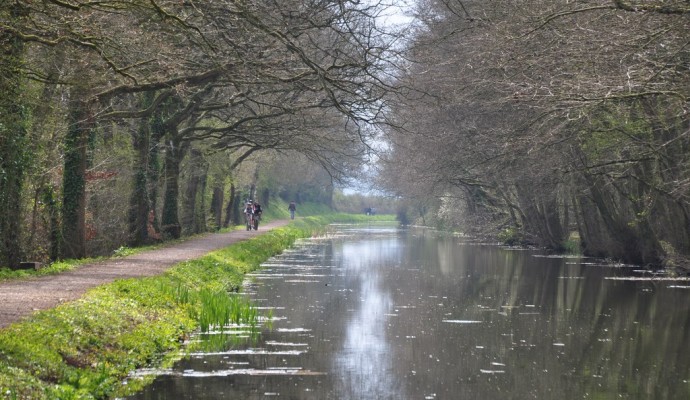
x=81 y=122
x=194 y=214
x=170 y=221
x=237 y=207
x=13 y=154
x=229 y=210
x=139 y=203
x=541 y=216
x=631 y=244
x=50 y=200
x=154 y=168
x=217 y=207
x=265 y=196
x=200 y=206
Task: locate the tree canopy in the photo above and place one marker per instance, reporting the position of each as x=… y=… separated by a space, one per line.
x=549 y=118
x=179 y=78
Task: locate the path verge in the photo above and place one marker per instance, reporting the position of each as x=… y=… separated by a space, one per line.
x=21 y=298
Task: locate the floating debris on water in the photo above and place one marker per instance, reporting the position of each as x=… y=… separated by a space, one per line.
x=491 y=371
x=274 y=343
x=276 y=276
x=264 y=319
x=143 y=372
x=558 y=256
x=293 y=330
x=252 y=352
x=462 y=321
x=647 y=278
x=248 y=371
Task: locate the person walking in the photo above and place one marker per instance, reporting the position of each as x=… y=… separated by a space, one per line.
x=292 y=208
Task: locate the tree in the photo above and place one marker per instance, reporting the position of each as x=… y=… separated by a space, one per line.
x=13 y=137
x=552 y=116
x=237 y=78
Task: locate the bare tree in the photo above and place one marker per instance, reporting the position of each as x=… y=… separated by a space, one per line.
x=554 y=116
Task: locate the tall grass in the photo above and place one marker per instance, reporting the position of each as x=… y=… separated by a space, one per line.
x=219 y=310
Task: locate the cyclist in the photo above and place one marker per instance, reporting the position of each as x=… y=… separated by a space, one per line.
x=257 y=215
x=249 y=214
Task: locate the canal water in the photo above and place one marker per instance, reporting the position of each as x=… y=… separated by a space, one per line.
x=388 y=313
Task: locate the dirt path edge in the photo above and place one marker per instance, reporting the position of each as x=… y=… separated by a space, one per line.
x=21 y=298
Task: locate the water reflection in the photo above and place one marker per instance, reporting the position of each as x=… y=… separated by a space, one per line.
x=388 y=314
x=364 y=361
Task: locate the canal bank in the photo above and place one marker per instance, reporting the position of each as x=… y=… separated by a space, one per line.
x=374 y=312
x=84 y=348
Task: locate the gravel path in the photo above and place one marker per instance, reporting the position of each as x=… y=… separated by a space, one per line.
x=20 y=298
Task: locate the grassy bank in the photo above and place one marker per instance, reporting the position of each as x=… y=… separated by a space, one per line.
x=85 y=349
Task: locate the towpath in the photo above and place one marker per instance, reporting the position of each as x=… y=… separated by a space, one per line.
x=20 y=298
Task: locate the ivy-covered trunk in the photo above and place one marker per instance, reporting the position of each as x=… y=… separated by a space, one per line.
x=139 y=204
x=142 y=210
x=154 y=167
x=230 y=209
x=194 y=213
x=50 y=200
x=170 y=222
x=13 y=155
x=217 y=207
x=81 y=125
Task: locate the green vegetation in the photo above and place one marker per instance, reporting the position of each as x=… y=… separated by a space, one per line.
x=84 y=349
x=572 y=244
x=57 y=267
x=510 y=237
x=53 y=268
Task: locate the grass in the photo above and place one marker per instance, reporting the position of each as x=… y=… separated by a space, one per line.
x=85 y=349
x=52 y=269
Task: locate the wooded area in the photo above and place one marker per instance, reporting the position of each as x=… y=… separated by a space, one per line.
x=117 y=117
x=551 y=121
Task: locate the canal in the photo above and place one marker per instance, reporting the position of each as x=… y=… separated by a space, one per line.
x=388 y=313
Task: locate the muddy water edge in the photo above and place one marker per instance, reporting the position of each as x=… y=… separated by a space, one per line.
x=371 y=312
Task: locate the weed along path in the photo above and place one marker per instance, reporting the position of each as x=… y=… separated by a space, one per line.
x=21 y=298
